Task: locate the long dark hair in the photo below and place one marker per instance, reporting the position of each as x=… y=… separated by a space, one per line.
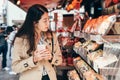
x=27 y=29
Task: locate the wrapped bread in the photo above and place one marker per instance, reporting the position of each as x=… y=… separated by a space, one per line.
x=99 y=25
x=91 y=75
x=106 y=24
x=92 y=46
x=96 y=54
x=75 y=60
x=82 y=66
x=93 y=22
x=87 y=26
x=73 y=75
x=86 y=43
x=77 y=44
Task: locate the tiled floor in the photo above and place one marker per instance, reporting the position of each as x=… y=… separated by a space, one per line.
x=5 y=75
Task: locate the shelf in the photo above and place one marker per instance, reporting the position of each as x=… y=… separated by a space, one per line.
x=111 y=38
x=104 y=61
x=109 y=71
x=98 y=63
x=112 y=9
x=98 y=38
x=85 y=71
x=105 y=38
x=82 y=52
x=106 y=64
x=116 y=28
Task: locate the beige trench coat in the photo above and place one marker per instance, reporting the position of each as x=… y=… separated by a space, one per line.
x=23 y=64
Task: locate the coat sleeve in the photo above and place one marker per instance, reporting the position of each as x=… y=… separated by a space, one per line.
x=57 y=55
x=20 y=64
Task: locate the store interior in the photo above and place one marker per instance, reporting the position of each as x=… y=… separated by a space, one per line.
x=88 y=32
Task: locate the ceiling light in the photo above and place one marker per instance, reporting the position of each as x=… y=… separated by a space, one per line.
x=18 y=2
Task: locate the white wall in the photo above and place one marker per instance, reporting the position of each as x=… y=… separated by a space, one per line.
x=14 y=13
x=1 y=4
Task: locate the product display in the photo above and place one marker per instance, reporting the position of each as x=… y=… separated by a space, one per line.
x=77 y=44
x=81 y=66
x=104 y=24
x=94 y=55
x=100 y=52
x=91 y=75
x=72 y=75
x=99 y=57
x=88 y=45
x=86 y=70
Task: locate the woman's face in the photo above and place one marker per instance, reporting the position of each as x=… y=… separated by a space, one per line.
x=43 y=23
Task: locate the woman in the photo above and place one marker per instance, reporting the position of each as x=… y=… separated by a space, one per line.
x=35 y=52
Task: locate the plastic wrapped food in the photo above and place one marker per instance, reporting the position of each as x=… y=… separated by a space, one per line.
x=96 y=54
x=73 y=75
x=91 y=75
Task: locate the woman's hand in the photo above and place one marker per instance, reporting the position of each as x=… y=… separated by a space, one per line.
x=47 y=55
x=43 y=54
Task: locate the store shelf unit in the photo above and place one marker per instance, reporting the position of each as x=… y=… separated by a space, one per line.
x=100 y=53
x=85 y=71
x=102 y=38
x=107 y=63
